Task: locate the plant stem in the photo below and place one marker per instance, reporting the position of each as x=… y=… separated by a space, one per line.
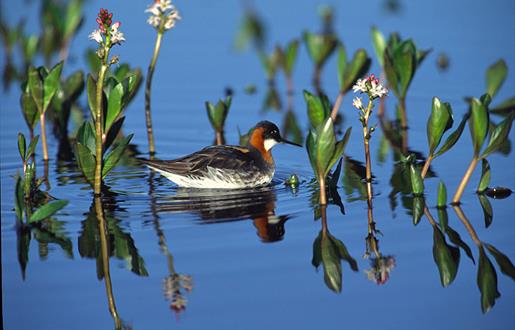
x=323 y=198
x=465 y=180
x=43 y=135
x=99 y=129
x=150 y=73
x=219 y=138
x=426 y=166
x=316 y=80
x=105 y=261
x=468 y=225
x=337 y=104
x=323 y=214
x=289 y=85
x=404 y=119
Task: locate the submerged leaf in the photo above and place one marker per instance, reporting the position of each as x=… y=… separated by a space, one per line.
x=502 y=260
x=487 y=209
x=487 y=282
x=47 y=210
x=485 y=176
x=446 y=257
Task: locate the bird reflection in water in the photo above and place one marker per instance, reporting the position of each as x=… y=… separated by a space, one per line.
x=218 y=206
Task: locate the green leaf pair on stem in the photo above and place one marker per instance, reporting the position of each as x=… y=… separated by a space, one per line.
x=116 y=95
x=324 y=151
x=400 y=60
x=217 y=115
x=330 y=251
x=349 y=72
x=439 y=122
x=480 y=128
x=320 y=47
x=42 y=86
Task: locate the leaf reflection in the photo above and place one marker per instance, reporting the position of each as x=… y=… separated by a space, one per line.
x=330 y=251
x=121 y=245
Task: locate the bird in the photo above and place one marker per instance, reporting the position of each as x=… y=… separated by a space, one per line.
x=226 y=166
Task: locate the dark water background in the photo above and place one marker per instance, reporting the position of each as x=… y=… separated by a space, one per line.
x=240 y=282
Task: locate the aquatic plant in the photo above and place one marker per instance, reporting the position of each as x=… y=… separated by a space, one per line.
x=440 y=121
x=10 y=36
x=349 y=72
x=217 y=115
x=270 y=63
x=33 y=208
x=320 y=47
x=60 y=21
x=479 y=124
x=486 y=273
x=163 y=18
x=318 y=108
x=330 y=251
x=374 y=90
x=324 y=151
x=93 y=143
x=287 y=58
x=42 y=85
x=252 y=31
x=400 y=60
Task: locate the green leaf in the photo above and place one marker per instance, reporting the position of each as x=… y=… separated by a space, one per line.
x=311 y=148
x=487 y=282
x=344 y=254
x=485 y=176
x=418 y=209
x=442 y=195
x=391 y=74
x=114 y=105
x=342 y=64
x=113 y=132
x=73 y=18
x=32 y=147
x=74 y=85
x=86 y=136
x=113 y=157
x=357 y=68
x=51 y=84
x=319 y=46
x=317 y=251
x=22 y=146
x=319 y=108
x=18 y=198
x=488 y=212
x=439 y=121
x=379 y=44
x=30 y=109
x=456 y=239
x=325 y=146
x=91 y=88
x=453 y=137
x=338 y=150
x=499 y=136
x=495 y=76
x=417 y=183
x=86 y=161
x=446 y=257
x=290 y=56
x=502 y=260
x=331 y=263
x=35 y=83
x=47 y=210
x=405 y=65
x=506 y=107
x=478 y=124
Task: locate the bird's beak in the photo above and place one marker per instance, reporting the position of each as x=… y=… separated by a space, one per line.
x=289 y=142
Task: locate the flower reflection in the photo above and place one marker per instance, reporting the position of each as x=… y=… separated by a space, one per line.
x=380 y=269
x=172 y=285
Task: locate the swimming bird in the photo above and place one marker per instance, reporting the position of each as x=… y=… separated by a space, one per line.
x=226 y=166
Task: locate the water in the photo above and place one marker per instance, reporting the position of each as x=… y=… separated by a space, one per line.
x=249 y=255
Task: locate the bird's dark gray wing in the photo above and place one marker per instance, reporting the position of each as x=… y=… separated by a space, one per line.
x=221 y=157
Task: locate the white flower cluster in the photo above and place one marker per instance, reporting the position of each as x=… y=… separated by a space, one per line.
x=116 y=36
x=162 y=11
x=371 y=86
